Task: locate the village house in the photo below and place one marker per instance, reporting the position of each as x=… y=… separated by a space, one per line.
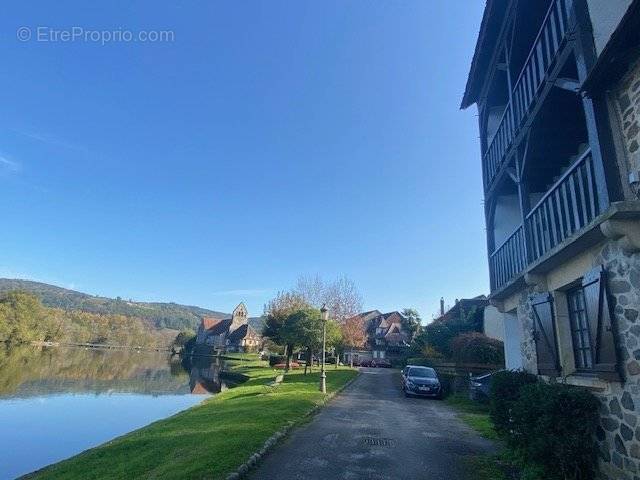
x=230 y=334
x=476 y=310
x=557 y=87
x=386 y=337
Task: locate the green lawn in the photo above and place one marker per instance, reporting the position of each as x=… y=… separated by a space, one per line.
x=210 y=440
x=474 y=414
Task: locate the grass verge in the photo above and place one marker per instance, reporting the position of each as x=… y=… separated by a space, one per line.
x=210 y=440
x=476 y=415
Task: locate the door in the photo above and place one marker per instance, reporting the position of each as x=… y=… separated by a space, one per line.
x=512 y=342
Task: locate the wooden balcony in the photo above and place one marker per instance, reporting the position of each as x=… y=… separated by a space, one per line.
x=540 y=61
x=565 y=210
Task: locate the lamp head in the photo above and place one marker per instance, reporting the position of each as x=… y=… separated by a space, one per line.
x=324 y=313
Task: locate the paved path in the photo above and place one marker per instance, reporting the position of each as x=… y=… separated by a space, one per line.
x=371 y=431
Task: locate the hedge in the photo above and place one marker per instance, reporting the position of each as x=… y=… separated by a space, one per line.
x=276 y=359
x=551 y=427
x=475 y=347
x=504 y=392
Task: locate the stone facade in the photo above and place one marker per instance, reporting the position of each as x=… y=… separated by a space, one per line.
x=628 y=103
x=231 y=334
x=619 y=432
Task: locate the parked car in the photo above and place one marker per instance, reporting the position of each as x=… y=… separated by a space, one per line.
x=382 y=363
x=421 y=381
x=480 y=386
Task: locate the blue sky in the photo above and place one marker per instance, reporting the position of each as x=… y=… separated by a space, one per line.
x=265 y=140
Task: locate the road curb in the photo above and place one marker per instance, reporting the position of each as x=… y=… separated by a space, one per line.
x=274 y=439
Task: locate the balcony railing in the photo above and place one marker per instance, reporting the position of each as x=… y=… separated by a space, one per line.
x=525 y=91
x=570 y=205
x=567 y=207
x=508 y=259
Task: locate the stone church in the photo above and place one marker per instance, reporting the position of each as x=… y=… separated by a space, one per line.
x=229 y=334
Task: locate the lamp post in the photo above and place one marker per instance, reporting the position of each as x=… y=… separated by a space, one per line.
x=324 y=316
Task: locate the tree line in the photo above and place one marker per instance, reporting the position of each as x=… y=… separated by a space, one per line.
x=23 y=318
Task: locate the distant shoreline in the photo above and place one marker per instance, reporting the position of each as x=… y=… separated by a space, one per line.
x=103 y=346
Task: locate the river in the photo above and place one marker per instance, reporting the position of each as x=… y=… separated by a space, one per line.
x=56 y=402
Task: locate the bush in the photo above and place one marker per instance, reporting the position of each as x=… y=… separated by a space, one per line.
x=504 y=392
x=474 y=347
x=553 y=430
x=550 y=427
x=284 y=365
x=275 y=359
x=418 y=361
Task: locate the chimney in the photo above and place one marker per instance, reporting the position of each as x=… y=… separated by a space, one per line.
x=441 y=305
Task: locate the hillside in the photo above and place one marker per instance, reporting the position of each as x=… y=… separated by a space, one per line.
x=160 y=315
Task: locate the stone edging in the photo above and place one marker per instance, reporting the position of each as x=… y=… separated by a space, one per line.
x=254 y=459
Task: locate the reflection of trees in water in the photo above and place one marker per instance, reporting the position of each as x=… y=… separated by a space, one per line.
x=27 y=371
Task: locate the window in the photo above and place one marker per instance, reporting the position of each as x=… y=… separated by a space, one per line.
x=580 y=334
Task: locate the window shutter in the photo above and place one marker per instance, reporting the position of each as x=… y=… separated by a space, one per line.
x=605 y=362
x=544 y=333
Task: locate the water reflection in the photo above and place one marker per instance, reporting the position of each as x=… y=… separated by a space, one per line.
x=28 y=371
x=56 y=402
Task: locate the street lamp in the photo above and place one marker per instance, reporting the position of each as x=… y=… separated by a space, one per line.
x=324 y=316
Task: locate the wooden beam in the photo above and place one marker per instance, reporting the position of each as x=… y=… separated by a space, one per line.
x=569 y=84
x=511 y=171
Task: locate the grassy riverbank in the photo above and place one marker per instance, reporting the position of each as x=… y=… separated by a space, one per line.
x=210 y=440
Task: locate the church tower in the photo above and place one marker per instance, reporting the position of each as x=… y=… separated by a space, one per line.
x=238 y=317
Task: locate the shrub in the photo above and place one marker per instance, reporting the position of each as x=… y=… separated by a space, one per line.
x=275 y=359
x=553 y=430
x=504 y=391
x=474 y=347
x=418 y=361
x=430 y=352
x=284 y=365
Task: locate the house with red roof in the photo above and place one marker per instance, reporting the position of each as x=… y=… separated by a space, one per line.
x=386 y=337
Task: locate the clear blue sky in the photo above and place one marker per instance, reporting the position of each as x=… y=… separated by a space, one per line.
x=269 y=139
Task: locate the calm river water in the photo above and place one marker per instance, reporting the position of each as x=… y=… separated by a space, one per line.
x=56 y=402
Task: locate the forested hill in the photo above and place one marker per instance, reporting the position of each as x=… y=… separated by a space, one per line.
x=162 y=315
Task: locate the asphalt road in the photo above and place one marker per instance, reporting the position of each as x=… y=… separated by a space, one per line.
x=371 y=431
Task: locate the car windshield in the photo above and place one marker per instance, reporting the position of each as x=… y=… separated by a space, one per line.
x=422 y=372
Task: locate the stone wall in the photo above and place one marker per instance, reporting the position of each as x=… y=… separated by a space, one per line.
x=628 y=102
x=619 y=432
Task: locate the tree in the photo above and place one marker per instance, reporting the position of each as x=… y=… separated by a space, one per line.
x=278 y=326
x=439 y=334
x=341 y=297
x=411 y=322
x=24 y=319
x=354 y=334
x=303 y=328
x=183 y=337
